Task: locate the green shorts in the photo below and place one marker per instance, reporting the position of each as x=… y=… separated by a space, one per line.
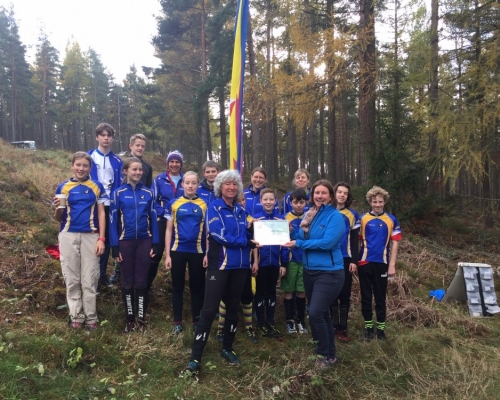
x=293 y=280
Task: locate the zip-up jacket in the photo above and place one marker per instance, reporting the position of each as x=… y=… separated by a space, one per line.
x=117 y=165
x=147 y=172
x=294 y=220
x=164 y=190
x=272 y=256
x=321 y=244
x=252 y=201
x=132 y=215
x=349 y=244
x=206 y=192
x=229 y=239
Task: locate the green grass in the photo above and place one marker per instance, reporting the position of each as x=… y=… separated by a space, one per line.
x=434 y=351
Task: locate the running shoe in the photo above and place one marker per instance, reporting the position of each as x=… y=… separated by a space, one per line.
x=263 y=330
x=230 y=357
x=290 y=327
x=177 y=330
x=381 y=335
x=76 y=325
x=251 y=335
x=141 y=325
x=129 y=327
x=220 y=335
x=92 y=327
x=368 y=335
x=273 y=332
x=342 y=336
x=322 y=363
x=191 y=370
x=332 y=361
x=104 y=281
x=115 y=277
x=301 y=328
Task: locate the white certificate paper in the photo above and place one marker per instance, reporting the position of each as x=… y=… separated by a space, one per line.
x=271 y=233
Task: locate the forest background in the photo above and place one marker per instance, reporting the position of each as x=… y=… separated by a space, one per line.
x=416 y=112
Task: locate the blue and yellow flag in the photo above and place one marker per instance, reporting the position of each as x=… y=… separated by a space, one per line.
x=237 y=79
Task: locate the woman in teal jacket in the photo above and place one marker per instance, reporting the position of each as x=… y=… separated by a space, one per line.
x=319 y=237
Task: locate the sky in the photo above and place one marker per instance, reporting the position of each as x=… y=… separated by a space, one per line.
x=120 y=31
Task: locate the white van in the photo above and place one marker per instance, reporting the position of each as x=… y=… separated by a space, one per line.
x=25 y=144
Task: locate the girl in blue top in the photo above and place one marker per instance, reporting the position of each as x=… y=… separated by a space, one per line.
x=301 y=180
x=319 y=237
x=185 y=243
x=133 y=239
x=258 y=180
x=81 y=239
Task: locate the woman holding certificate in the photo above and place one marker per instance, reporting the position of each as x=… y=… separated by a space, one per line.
x=229 y=246
x=319 y=237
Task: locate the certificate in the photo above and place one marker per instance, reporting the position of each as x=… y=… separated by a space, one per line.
x=270 y=233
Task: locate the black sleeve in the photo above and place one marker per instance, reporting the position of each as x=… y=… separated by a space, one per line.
x=251 y=244
x=354 y=244
x=149 y=177
x=115 y=251
x=156 y=249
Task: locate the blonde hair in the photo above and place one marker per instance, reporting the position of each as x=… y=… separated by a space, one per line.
x=377 y=191
x=140 y=136
x=189 y=173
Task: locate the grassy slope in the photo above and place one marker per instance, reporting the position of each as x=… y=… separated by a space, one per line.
x=435 y=350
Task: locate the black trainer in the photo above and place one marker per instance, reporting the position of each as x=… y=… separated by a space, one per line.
x=381 y=335
x=368 y=335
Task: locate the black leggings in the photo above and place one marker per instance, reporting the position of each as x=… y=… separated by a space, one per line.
x=155 y=261
x=135 y=262
x=219 y=282
x=196 y=283
x=265 y=294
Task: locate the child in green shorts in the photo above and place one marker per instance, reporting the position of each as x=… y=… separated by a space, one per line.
x=292 y=281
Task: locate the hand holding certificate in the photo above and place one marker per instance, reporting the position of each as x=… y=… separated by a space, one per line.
x=271 y=233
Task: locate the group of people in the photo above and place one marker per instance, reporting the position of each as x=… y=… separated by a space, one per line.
x=207 y=227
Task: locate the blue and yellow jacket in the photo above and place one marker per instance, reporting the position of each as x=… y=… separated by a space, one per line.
x=80 y=215
x=272 y=256
x=165 y=190
x=206 y=192
x=287 y=205
x=376 y=234
x=321 y=244
x=132 y=215
x=295 y=220
x=229 y=236
x=188 y=218
x=349 y=243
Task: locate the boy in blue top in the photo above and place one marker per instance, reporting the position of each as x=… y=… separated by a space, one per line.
x=293 y=279
x=272 y=264
x=106 y=169
x=380 y=234
x=206 y=189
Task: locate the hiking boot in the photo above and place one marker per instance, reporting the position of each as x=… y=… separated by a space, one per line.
x=177 y=330
x=301 y=328
x=381 y=335
x=290 y=327
x=342 y=336
x=220 y=335
x=76 y=325
x=368 y=335
x=91 y=327
x=129 y=327
x=230 y=357
x=251 y=335
x=191 y=370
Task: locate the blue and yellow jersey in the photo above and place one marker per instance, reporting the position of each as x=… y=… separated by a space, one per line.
x=82 y=198
x=188 y=217
x=295 y=220
x=132 y=214
x=376 y=233
x=352 y=222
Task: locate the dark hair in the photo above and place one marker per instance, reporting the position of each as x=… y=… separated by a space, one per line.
x=298 y=194
x=348 y=202
x=326 y=183
x=104 y=126
x=266 y=191
x=210 y=164
x=126 y=165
